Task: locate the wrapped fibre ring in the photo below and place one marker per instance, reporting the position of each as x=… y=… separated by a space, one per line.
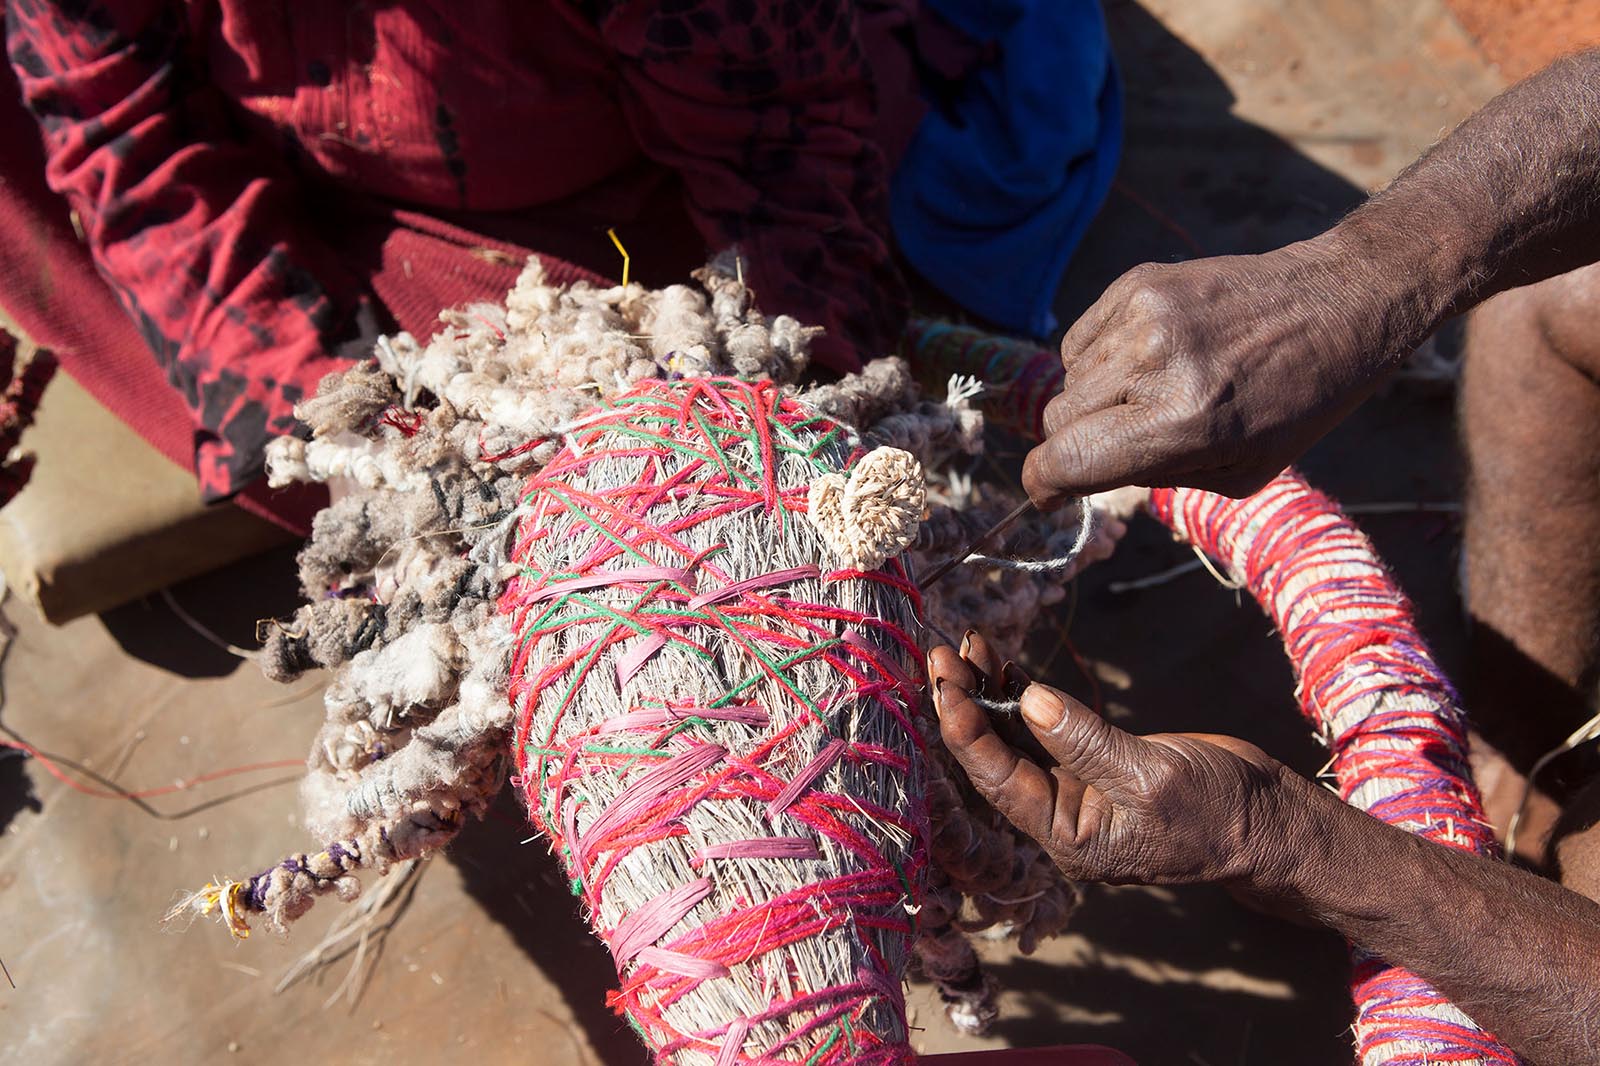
x=1370 y=687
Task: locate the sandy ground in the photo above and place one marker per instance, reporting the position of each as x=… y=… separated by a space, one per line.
x=1250 y=123
x=1520 y=36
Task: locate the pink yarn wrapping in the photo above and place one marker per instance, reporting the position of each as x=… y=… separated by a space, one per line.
x=1367 y=681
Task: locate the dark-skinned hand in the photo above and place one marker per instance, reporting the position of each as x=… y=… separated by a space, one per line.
x=1106 y=805
x=1218 y=373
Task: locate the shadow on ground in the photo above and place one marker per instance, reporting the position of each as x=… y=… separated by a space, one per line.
x=1195 y=179
x=223 y=607
x=522 y=886
x=16 y=791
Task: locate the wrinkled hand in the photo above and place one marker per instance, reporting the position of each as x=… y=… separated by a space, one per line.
x=1218 y=373
x=1109 y=806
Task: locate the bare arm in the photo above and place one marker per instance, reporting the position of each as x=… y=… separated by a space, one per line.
x=1510 y=197
x=1217 y=373
x=1521 y=956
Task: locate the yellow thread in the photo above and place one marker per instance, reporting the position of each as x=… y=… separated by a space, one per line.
x=231 y=911
x=626 y=259
x=224 y=898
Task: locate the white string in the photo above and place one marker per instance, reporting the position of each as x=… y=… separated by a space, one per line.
x=1048 y=566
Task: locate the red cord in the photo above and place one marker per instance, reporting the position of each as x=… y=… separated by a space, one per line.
x=56 y=772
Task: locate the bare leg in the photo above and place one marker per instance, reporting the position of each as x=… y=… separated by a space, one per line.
x=1530 y=420
x=1576 y=843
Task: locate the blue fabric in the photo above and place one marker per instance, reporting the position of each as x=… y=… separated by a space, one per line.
x=995 y=193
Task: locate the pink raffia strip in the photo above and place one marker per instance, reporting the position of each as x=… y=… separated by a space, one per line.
x=802 y=781
x=733 y=1042
x=752 y=584
x=760 y=848
x=648 y=718
x=651 y=786
x=637 y=656
x=638 y=575
x=650 y=922
x=679 y=963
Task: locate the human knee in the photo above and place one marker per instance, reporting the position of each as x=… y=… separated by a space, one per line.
x=1574 y=846
x=1553 y=322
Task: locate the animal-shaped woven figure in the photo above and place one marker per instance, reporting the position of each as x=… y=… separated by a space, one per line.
x=600 y=536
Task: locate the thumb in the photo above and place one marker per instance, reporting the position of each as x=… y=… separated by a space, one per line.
x=1086 y=745
x=1099 y=452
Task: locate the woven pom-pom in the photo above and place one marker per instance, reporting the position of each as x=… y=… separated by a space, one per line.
x=873 y=515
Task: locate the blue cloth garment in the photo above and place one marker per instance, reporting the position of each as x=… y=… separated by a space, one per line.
x=999 y=184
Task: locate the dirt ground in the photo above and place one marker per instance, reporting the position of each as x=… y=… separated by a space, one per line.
x=1250 y=123
x=1520 y=36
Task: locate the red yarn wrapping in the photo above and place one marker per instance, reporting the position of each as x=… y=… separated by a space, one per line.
x=631 y=547
x=1367 y=681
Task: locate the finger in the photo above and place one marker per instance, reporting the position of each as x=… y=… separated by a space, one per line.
x=1012 y=729
x=1082 y=813
x=985 y=663
x=946 y=664
x=1245 y=750
x=1016 y=680
x=1017 y=787
x=1088 y=327
x=1092 y=386
x=1104 y=451
x=993 y=679
x=1085 y=744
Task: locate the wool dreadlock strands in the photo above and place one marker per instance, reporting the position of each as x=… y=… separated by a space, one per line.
x=881 y=388
x=667 y=567
x=366 y=462
x=1366 y=680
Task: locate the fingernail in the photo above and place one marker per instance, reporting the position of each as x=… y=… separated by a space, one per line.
x=938 y=693
x=1042 y=708
x=1015 y=679
x=966 y=642
x=929 y=659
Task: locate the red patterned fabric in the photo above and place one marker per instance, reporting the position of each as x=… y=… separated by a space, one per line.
x=248 y=178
